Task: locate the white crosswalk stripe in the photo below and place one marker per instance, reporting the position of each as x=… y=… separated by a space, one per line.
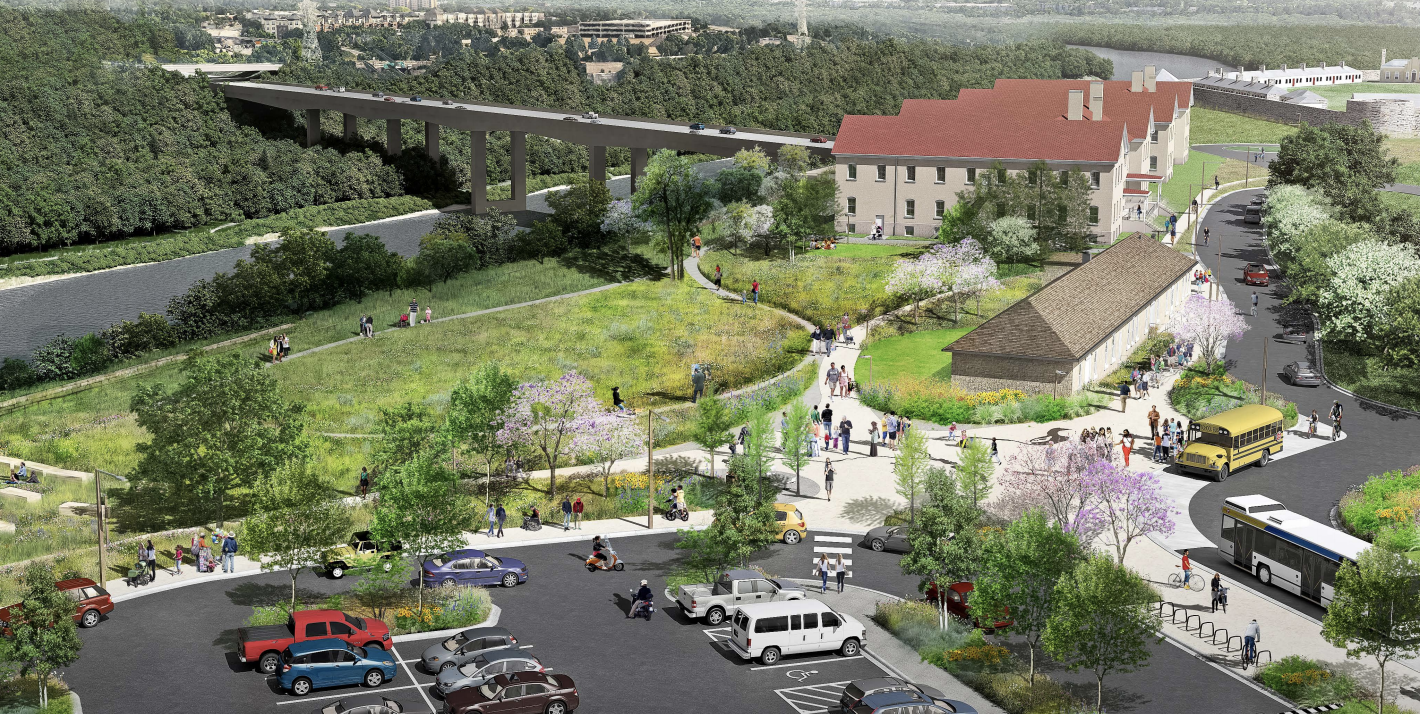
x=833 y=551
x=832 y=539
x=813 y=699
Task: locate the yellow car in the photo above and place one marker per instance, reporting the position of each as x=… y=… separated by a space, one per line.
x=792 y=528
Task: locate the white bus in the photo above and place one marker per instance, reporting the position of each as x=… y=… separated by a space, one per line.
x=1285 y=549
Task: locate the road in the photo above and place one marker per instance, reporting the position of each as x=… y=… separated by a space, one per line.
x=1376 y=440
x=1266 y=158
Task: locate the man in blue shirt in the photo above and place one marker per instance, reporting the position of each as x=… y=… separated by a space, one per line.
x=229 y=553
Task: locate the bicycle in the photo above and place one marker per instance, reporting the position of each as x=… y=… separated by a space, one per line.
x=1335 y=428
x=1195 y=582
x=1311 y=430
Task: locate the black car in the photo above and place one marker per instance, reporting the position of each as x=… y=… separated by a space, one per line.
x=727 y=130
x=416 y=98
x=893 y=538
x=903 y=702
x=886 y=694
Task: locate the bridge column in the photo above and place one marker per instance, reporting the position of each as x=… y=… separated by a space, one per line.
x=394 y=139
x=352 y=130
x=431 y=140
x=639 y=157
x=478 y=150
x=519 y=171
x=597 y=164
x=312 y=127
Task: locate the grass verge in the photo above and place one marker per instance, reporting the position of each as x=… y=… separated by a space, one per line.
x=918 y=354
x=819 y=286
x=1364 y=375
x=1212 y=126
x=1198 y=395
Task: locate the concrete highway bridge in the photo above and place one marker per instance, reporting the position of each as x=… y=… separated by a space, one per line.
x=640 y=135
x=224 y=72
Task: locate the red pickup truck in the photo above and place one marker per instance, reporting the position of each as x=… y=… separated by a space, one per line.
x=263 y=644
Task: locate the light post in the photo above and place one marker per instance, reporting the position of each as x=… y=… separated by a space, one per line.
x=870 y=367
x=99 y=525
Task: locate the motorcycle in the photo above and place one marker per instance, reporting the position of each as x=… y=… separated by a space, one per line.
x=642 y=608
x=607 y=560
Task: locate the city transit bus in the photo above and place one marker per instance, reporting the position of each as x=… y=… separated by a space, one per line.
x=1285 y=549
x=1220 y=444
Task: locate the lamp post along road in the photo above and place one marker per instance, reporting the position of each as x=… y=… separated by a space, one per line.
x=99 y=527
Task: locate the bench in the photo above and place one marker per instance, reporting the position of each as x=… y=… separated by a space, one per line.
x=28 y=496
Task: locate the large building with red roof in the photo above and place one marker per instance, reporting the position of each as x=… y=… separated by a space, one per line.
x=903 y=172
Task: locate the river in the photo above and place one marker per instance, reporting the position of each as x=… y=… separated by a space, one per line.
x=1181 y=66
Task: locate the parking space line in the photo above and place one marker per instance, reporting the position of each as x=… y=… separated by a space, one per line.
x=805 y=664
x=422 y=693
x=803 y=699
x=304 y=700
x=832 y=539
x=521 y=647
x=715 y=636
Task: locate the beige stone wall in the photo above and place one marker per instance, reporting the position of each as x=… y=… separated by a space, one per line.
x=1385 y=115
x=987 y=373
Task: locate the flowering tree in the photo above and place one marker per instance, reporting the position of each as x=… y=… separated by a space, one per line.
x=608 y=438
x=621 y=221
x=974 y=278
x=552 y=417
x=1355 y=307
x=742 y=222
x=1128 y=503
x=1052 y=478
x=1209 y=324
x=914 y=279
x=1012 y=239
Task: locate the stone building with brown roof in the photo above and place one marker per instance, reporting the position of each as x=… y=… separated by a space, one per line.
x=1079 y=327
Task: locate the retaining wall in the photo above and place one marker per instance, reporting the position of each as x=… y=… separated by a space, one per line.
x=1397 y=118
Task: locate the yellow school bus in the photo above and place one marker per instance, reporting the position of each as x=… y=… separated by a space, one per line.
x=1223 y=443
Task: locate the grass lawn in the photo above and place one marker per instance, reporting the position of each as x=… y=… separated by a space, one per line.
x=918 y=354
x=1337 y=94
x=1401 y=201
x=818 y=286
x=1180 y=190
x=1210 y=126
x=1363 y=375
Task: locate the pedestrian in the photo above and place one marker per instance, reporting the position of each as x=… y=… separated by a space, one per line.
x=1144 y=384
x=566 y=514
x=1153 y=420
x=695 y=243
x=828 y=473
x=577 y=509
x=492 y=519
x=177 y=559
x=813 y=341
x=428 y=314
x=844 y=381
x=413 y=310
x=192 y=548
x=890 y=431
x=1251 y=636
x=828 y=431
x=1187 y=566
x=823 y=570
x=1168 y=445
x=364 y=482
x=1254 y=303
x=718 y=276
x=229 y=553
x=271 y=349
x=1126 y=445
x=1216 y=185
x=502 y=516
x=814 y=415
x=845 y=428
x=754 y=288
x=1123 y=397
x=1216 y=587
x=1158 y=447
x=839 y=571
x=831 y=379
x=873 y=439
x=204 y=556
x=995 y=451
x=844 y=324
x=828 y=342
x=616 y=401
x=697 y=383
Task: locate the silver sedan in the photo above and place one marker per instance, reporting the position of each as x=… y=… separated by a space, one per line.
x=485 y=667
x=1301 y=374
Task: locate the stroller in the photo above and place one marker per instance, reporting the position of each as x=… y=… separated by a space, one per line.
x=139 y=574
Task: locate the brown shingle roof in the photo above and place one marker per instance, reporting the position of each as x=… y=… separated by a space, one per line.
x=1068 y=317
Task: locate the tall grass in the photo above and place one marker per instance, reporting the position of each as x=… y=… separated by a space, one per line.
x=819 y=286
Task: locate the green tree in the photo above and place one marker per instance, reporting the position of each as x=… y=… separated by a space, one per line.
x=744 y=515
x=301 y=261
x=1348 y=164
x=1020 y=568
x=364 y=265
x=544 y=241
x=794 y=159
x=1401 y=336
x=806 y=207
x=736 y=185
x=956 y=223
x=446 y=255
x=752 y=160
x=294 y=520
x=1011 y=239
x=757 y=460
x=713 y=421
x=404 y=429
x=1100 y=620
x=476 y=407
x=945 y=539
x=794 y=440
x=90 y=354
x=909 y=466
x=210 y=438
x=973 y=474
x=709 y=551
x=579 y=211
x=1374 y=612
x=382 y=590
x=43 y=636
x=422 y=505
x=676 y=198
x=1308 y=271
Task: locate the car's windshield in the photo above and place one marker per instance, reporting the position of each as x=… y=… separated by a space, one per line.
x=492 y=561
x=489 y=691
x=356 y=622
x=453 y=643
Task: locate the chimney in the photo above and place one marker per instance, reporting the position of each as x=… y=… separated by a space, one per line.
x=1149 y=75
x=1382 y=55
x=1077 y=105
x=1097 y=101
x=1136 y=81
x=1304 y=65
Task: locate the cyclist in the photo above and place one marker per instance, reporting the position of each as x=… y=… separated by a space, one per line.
x=1311 y=427
x=1251 y=636
x=1335 y=419
x=1187 y=568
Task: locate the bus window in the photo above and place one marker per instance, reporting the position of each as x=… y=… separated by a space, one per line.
x=1328 y=573
x=1228 y=525
x=1288 y=554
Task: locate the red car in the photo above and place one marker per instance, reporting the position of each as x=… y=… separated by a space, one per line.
x=516 y=692
x=263 y=644
x=818 y=140
x=958 y=597
x=1255 y=274
x=322 y=87
x=93 y=602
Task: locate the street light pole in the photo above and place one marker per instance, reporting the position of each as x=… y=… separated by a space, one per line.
x=99 y=526
x=1264 y=370
x=650 y=471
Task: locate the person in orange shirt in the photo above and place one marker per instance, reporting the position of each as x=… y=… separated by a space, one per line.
x=696 y=242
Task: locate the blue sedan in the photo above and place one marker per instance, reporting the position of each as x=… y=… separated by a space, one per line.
x=330 y=662
x=474 y=567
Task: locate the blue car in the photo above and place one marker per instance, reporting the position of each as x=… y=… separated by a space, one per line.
x=330 y=662
x=474 y=567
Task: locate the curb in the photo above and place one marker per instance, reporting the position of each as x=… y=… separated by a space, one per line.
x=153 y=589
x=491 y=620
x=74 y=702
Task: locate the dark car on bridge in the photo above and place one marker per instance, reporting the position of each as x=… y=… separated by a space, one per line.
x=818 y=140
x=697 y=126
x=727 y=130
x=416 y=98
x=1255 y=274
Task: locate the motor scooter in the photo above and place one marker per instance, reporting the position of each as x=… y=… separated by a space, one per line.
x=608 y=560
x=642 y=608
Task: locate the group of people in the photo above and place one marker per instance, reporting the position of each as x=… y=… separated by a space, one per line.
x=497 y=515
x=22 y=474
x=824 y=339
x=367 y=326
x=825 y=244
x=822 y=427
x=840 y=383
x=411 y=317
x=279 y=347
x=835 y=567
x=572 y=513
x=198 y=549
x=1203 y=276
x=1167 y=435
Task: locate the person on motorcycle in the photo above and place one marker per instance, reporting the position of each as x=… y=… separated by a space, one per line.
x=643 y=599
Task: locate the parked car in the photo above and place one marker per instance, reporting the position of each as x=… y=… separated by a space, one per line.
x=340 y=89
x=818 y=140
x=484 y=667
x=416 y=98
x=1255 y=274
x=386 y=706
x=263 y=644
x=769 y=631
x=377 y=95
x=329 y=662
x=727 y=130
x=734 y=589
x=1252 y=214
x=1301 y=374
x=463 y=647
x=1295 y=335
x=389 y=99
x=569 y=118
x=855 y=692
x=959 y=605
x=322 y=87
x=91 y=603
x=363 y=551
x=902 y=702
x=474 y=567
x=518 y=692
x=893 y=538
x=792 y=528
x=697 y=126
x=592 y=117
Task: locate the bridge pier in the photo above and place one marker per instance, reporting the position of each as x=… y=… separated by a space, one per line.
x=394 y=139
x=312 y=127
x=478 y=190
x=352 y=127
x=596 y=166
x=478 y=171
x=431 y=140
x=639 y=158
x=519 y=171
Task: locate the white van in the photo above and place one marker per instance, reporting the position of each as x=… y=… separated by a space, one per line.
x=770 y=630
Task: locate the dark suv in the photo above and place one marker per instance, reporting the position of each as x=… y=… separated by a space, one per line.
x=886 y=694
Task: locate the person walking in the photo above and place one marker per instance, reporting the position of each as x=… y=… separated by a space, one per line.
x=502 y=516
x=828 y=472
x=1153 y=420
x=364 y=484
x=577 y=509
x=492 y=519
x=831 y=379
x=1254 y=303
x=844 y=381
x=873 y=439
x=1123 y=397
x=995 y=451
x=177 y=559
x=697 y=383
x=1216 y=587
x=616 y=401
x=828 y=343
x=428 y=315
x=719 y=275
x=695 y=243
x=229 y=553
x=1216 y=185
x=1252 y=635
x=413 y=310
x=839 y=571
x=566 y=514
x=813 y=341
x=845 y=324
x=845 y=428
x=754 y=288
x=1126 y=445
x=1187 y=566
x=823 y=568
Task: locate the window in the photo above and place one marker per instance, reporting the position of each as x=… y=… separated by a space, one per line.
x=912 y=174
x=1064 y=178
x=811 y=621
x=325 y=657
x=1154 y=137
x=796 y=622
x=764 y=586
x=1094 y=215
x=941 y=208
x=1001 y=175
x=909 y=231
x=1228 y=525
x=830 y=619
x=340 y=629
x=772 y=624
x=941 y=174
x=882 y=172
x=852 y=172
x=512 y=692
x=971 y=175
x=1094 y=179
x=1153 y=163
x=852 y=227
x=910 y=210
x=852 y=207
x=346 y=656
x=315 y=629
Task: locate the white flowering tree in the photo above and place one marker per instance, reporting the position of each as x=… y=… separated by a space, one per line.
x=915 y=280
x=1012 y=239
x=961 y=268
x=621 y=221
x=1355 y=306
x=1288 y=219
x=1208 y=324
x=741 y=222
x=973 y=273
x=608 y=438
x=554 y=418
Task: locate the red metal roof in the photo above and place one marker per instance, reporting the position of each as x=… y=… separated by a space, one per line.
x=1136 y=191
x=1143 y=177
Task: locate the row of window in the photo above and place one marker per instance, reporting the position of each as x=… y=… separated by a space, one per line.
x=911 y=175
x=1399 y=75
x=909 y=210
x=786 y=623
x=1293 y=81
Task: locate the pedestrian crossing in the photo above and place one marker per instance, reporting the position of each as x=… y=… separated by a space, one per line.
x=832 y=551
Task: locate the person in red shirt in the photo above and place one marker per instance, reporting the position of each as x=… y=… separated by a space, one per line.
x=754 y=288
x=577 y=509
x=1187 y=568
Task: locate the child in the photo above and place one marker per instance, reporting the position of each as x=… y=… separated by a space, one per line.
x=177 y=559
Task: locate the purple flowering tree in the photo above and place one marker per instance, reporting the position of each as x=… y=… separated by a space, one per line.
x=552 y=417
x=608 y=438
x=1053 y=478
x=1128 y=504
x=1209 y=324
x=959 y=268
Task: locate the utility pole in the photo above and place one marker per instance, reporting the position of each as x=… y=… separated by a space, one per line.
x=1264 y=370
x=650 y=471
x=99 y=526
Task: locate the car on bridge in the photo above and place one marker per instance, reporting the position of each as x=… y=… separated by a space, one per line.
x=416 y=98
x=322 y=87
x=389 y=99
x=727 y=130
x=592 y=117
x=818 y=140
x=448 y=102
x=331 y=662
x=340 y=89
x=697 y=126
x=377 y=95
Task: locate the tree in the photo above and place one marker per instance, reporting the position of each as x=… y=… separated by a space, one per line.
x=43 y=636
x=757 y=460
x=909 y=466
x=381 y=590
x=737 y=185
x=54 y=360
x=752 y=160
x=1209 y=324
x=956 y=223
x=676 y=198
x=1374 y=611
x=545 y=240
x=973 y=474
x=610 y=437
x=794 y=440
x=215 y=434
x=90 y=355
x=364 y=265
x=493 y=234
x=963 y=269
x=293 y=521
x=794 y=159
x=552 y=417
x=579 y=211
x=445 y=255
x=1101 y=620
x=806 y=207
x=621 y=222
x=1306 y=261
x=1401 y=335
x=1347 y=163
x=744 y=515
x=1355 y=306
x=421 y=505
x=404 y=430
x=1020 y=568
x=713 y=421
x=300 y=261
x=1052 y=477
x=476 y=408
x=1130 y=504
x=710 y=551
x=945 y=540
x=914 y=279
x=1011 y=239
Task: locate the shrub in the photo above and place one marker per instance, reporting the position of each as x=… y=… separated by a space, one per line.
x=1388 y=499
x=16 y=374
x=941 y=403
x=1199 y=395
x=1305 y=681
x=132 y=338
x=90 y=355
x=445 y=607
x=54 y=360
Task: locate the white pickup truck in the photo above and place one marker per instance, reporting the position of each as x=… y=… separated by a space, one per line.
x=716 y=601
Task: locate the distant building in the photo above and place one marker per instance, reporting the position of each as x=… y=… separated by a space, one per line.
x=491 y=20
x=632 y=28
x=1306 y=98
x=1401 y=70
x=604 y=72
x=414 y=4
x=1289 y=78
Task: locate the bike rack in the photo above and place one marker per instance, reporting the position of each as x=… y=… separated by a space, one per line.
x=1210 y=624
x=1161 y=605
x=1216 y=630
x=1173 y=617
x=1189 y=618
x=1229 y=646
x=1259 y=657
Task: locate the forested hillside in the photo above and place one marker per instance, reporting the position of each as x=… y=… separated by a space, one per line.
x=1251 y=45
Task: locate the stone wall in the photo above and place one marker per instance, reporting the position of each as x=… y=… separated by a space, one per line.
x=974 y=373
x=1396 y=118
